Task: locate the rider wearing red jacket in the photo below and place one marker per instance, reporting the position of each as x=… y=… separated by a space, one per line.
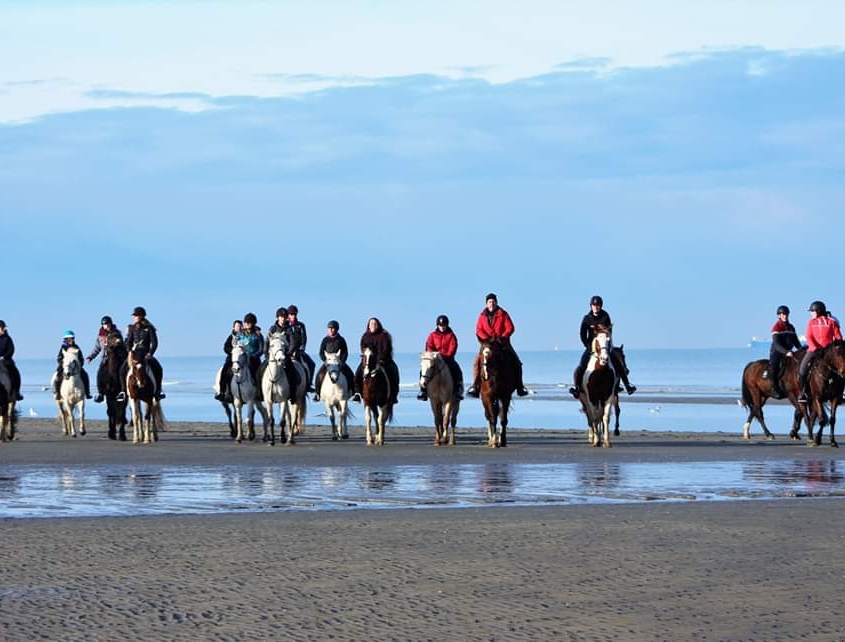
x=822 y=330
x=494 y=324
x=444 y=341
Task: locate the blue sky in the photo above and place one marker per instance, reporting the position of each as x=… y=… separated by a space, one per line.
x=357 y=159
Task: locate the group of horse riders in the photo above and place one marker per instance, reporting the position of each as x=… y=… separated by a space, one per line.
x=822 y=330
x=141 y=340
x=249 y=336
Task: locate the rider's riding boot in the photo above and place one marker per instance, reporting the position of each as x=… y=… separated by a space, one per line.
x=473 y=389
x=423 y=395
x=522 y=390
x=575 y=391
x=630 y=388
x=99 y=398
x=459 y=391
x=776 y=392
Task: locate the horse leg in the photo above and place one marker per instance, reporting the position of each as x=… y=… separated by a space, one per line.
x=437 y=411
x=148 y=423
x=344 y=417
x=503 y=433
x=82 y=417
x=380 y=422
x=292 y=422
x=453 y=422
x=833 y=405
x=797 y=415
x=239 y=420
x=606 y=426
x=616 y=410
x=250 y=421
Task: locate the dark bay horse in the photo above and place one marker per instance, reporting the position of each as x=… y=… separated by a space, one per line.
x=826 y=383
x=499 y=372
x=376 y=394
x=109 y=383
x=756 y=389
x=8 y=400
x=617 y=355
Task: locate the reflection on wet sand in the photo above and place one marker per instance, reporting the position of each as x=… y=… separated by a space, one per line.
x=30 y=491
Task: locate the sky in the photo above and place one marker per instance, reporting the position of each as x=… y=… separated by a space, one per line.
x=207 y=159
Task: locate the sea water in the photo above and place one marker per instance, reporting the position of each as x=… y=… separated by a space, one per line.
x=681 y=389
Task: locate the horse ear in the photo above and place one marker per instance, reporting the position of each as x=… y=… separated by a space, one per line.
x=621 y=346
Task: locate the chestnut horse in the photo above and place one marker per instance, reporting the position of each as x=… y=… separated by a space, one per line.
x=499 y=372
x=598 y=388
x=376 y=393
x=826 y=383
x=757 y=388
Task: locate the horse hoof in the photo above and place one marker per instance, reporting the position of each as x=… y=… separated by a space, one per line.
x=770 y=437
x=344 y=436
x=238 y=440
x=833 y=444
x=334 y=437
x=82 y=433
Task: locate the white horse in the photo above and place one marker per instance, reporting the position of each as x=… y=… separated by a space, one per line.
x=436 y=378
x=244 y=393
x=597 y=389
x=276 y=389
x=71 y=393
x=335 y=394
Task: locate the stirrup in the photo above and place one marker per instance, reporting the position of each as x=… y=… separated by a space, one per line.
x=121 y=396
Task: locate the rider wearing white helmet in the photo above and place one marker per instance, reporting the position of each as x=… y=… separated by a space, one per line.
x=69 y=341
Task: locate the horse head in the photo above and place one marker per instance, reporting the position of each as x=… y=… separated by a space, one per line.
x=239 y=363
x=333 y=365
x=70 y=362
x=277 y=353
x=369 y=366
x=491 y=359
x=600 y=345
x=137 y=371
x=429 y=366
x=834 y=357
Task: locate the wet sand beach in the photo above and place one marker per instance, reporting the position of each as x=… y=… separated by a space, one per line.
x=738 y=570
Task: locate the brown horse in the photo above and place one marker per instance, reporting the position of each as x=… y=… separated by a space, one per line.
x=826 y=383
x=617 y=355
x=376 y=393
x=499 y=372
x=757 y=388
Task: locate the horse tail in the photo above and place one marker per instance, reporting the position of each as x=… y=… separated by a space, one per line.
x=158 y=417
x=746 y=391
x=389 y=414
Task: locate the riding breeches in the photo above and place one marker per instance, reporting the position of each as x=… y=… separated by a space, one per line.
x=804 y=368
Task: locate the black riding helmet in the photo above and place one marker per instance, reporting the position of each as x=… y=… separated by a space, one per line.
x=782 y=309
x=333 y=324
x=443 y=320
x=106 y=319
x=597 y=300
x=819 y=307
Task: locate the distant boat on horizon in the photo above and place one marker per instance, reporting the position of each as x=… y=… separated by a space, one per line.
x=757 y=342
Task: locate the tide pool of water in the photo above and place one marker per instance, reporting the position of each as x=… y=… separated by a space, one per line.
x=80 y=491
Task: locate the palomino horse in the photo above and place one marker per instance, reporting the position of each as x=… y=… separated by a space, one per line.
x=826 y=383
x=71 y=393
x=598 y=388
x=8 y=399
x=141 y=389
x=244 y=393
x=109 y=381
x=757 y=388
x=376 y=394
x=498 y=383
x=335 y=394
x=436 y=378
x=276 y=389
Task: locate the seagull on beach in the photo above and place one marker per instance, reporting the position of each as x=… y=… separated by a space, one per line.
x=32 y=412
x=655 y=409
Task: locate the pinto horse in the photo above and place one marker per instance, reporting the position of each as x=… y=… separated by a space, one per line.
x=376 y=394
x=109 y=379
x=8 y=400
x=277 y=389
x=335 y=394
x=757 y=388
x=499 y=374
x=436 y=378
x=71 y=401
x=141 y=389
x=598 y=388
x=826 y=383
x=244 y=392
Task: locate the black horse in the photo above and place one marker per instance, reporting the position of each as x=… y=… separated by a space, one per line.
x=109 y=382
